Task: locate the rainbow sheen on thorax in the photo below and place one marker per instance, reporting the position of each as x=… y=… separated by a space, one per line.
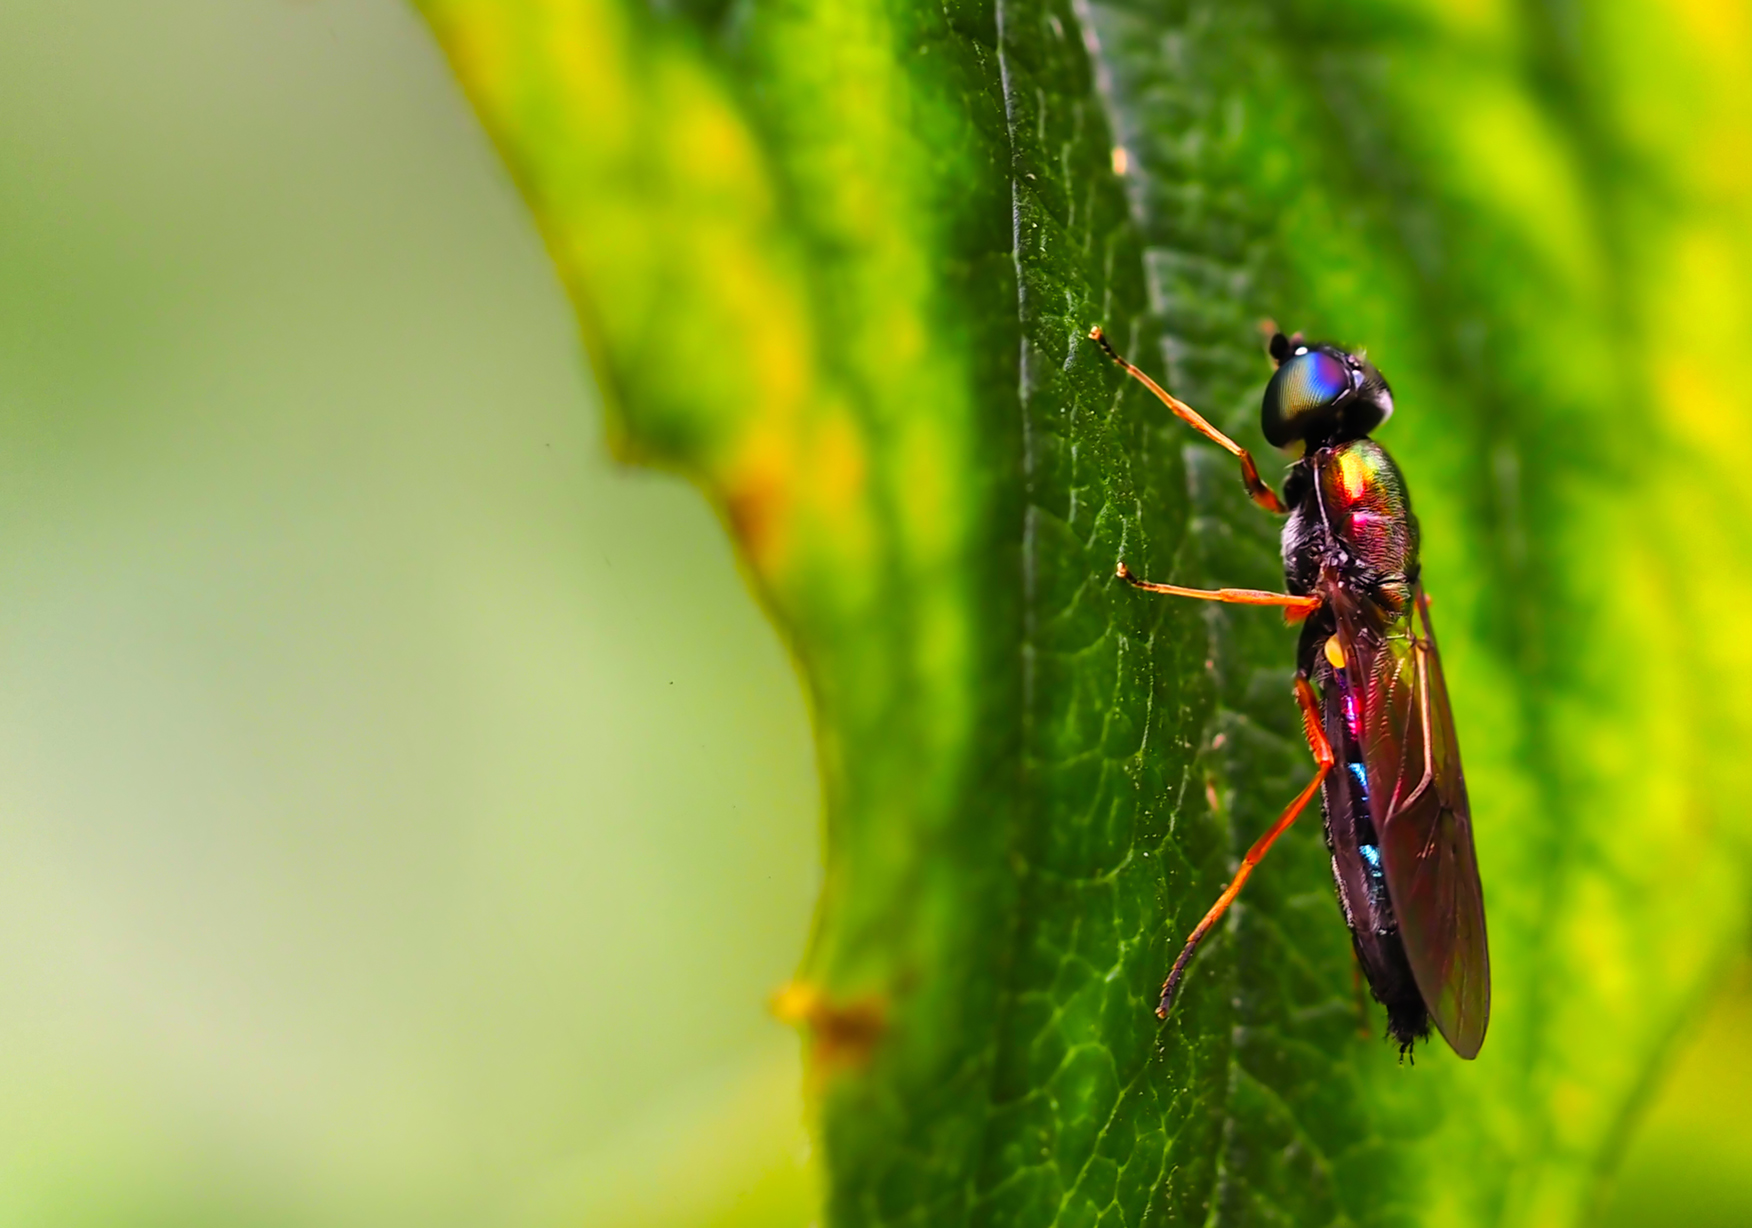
x=1368 y=509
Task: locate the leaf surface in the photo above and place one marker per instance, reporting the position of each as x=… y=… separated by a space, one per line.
x=835 y=261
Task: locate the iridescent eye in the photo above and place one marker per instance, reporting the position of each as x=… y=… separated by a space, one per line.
x=1307 y=384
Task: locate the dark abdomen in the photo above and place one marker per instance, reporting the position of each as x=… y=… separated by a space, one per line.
x=1356 y=866
x=1353 y=527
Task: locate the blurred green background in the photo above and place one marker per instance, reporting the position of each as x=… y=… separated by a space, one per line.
x=404 y=812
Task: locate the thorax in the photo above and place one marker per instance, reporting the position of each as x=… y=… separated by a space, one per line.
x=1350 y=520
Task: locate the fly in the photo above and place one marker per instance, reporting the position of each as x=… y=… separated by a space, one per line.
x=1374 y=702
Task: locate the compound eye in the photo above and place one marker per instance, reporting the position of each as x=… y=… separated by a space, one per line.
x=1307 y=384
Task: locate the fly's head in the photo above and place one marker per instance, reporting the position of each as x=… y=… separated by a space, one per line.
x=1321 y=395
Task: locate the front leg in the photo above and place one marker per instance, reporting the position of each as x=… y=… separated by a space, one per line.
x=1262 y=494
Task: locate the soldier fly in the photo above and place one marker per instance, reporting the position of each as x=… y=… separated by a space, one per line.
x=1374 y=703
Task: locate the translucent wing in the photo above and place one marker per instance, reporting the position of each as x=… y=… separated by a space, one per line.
x=1417 y=801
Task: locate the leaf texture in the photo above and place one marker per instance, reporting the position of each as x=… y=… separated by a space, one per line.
x=836 y=262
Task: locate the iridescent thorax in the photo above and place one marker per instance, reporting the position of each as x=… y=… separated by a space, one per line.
x=1350 y=513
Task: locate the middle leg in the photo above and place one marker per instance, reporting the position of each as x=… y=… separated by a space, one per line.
x=1295 y=608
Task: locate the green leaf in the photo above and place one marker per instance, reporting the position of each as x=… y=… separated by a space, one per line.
x=835 y=260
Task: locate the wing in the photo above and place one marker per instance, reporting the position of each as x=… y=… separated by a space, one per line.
x=1417 y=801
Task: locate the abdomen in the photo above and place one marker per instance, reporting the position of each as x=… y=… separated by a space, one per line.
x=1356 y=533
x=1356 y=864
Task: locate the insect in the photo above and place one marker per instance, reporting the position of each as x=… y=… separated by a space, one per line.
x=1370 y=686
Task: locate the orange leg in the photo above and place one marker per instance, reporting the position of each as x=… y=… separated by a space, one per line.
x=1323 y=761
x=1262 y=494
x=1295 y=608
